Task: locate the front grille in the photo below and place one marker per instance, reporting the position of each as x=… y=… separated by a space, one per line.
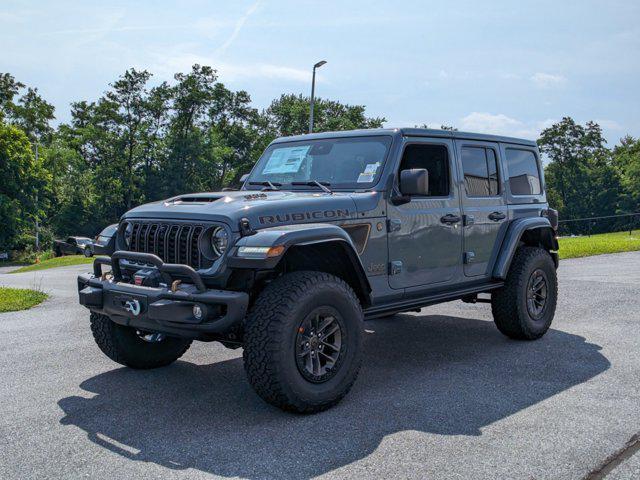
x=172 y=242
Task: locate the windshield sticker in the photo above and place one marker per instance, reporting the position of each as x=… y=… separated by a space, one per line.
x=366 y=177
x=371 y=168
x=286 y=160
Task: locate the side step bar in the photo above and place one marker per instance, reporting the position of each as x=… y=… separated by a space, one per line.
x=408 y=304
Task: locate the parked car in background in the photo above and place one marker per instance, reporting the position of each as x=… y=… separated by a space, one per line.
x=73 y=246
x=104 y=243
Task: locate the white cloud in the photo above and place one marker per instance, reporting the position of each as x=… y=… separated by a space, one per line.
x=548 y=80
x=489 y=123
x=166 y=65
x=609 y=124
x=501 y=124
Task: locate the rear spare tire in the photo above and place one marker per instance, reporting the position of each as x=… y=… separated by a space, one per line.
x=524 y=307
x=303 y=341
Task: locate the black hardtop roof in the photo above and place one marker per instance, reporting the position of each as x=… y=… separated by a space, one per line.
x=409 y=132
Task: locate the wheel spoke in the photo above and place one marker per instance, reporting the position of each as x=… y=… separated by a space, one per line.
x=331 y=331
x=325 y=323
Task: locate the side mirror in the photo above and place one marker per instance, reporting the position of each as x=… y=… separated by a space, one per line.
x=414 y=181
x=244 y=177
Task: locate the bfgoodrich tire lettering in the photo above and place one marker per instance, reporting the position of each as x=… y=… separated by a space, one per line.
x=271 y=331
x=524 y=307
x=124 y=346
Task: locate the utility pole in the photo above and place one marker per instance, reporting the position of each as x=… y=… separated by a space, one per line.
x=313 y=91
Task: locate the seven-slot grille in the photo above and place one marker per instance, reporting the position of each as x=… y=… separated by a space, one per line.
x=172 y=242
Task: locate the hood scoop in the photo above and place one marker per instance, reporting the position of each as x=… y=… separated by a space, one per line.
x=192 y=200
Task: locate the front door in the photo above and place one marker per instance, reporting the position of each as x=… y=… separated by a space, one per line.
x=425 y=234
x=484 y=208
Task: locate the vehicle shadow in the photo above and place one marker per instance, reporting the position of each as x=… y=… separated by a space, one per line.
x=436 y=374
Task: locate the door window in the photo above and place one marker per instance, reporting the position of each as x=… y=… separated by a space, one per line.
x=524 y=177
x=480 y=167
x=435 y=158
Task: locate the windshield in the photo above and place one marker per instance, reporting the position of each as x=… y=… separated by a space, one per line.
x=109 y=231
x=352 y=162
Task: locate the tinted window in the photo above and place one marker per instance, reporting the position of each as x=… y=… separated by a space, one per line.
x=524 y=177
x=435 y=159
x=480 y=172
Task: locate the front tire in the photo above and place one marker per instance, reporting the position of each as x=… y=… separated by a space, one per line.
x=87 y=252
x=303 y=341
x=524 y=307
x=126 y=346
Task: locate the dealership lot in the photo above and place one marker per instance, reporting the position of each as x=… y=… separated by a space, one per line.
x=442 y=394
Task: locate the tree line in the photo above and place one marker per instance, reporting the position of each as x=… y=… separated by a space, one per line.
x=143 y=141
x=136 y=143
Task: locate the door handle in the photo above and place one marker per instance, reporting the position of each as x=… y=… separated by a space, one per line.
x=497 y=216
x=450 y=219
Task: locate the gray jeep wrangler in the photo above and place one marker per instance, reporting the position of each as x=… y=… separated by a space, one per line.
x=329 y=230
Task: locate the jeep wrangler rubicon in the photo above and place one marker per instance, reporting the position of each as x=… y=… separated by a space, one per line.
x=329 y=230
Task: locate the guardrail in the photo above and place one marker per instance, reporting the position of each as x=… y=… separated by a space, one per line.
x=602 y=224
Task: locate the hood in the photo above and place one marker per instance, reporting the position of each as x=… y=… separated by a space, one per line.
x=263 y=209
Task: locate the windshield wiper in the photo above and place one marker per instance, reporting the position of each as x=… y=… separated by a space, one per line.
x=268 y=184
x=315 y=183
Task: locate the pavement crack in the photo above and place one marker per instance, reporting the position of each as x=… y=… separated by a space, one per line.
x=612 y=461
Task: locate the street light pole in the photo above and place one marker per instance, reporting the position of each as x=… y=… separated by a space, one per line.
x=37 y=220
x=313 y=91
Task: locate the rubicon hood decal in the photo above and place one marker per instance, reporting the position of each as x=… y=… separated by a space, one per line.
x=302 y=216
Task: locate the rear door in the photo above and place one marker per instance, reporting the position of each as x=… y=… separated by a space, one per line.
x=483 y=205
x=425 y=234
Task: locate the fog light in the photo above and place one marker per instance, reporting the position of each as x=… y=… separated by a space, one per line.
x=197 y=312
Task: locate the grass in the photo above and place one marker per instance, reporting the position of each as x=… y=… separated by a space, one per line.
x=65 y=261
x=572 y=247
x=13 y=299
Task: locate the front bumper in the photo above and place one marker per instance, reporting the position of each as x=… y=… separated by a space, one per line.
x=161 y=309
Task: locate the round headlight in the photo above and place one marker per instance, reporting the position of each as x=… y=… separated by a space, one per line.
x=128 y=232
x=219 y=241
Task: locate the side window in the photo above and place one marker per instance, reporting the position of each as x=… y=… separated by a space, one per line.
x=435 y=158
x=524 y=177
x=71 y=241
x=480 y=167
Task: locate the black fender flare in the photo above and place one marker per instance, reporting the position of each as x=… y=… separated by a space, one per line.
x=290 y=236
x=511 y=241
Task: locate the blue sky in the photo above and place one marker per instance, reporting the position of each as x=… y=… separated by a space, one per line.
x=494 y=66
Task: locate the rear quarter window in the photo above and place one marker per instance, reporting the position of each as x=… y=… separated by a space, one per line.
x=524 y=175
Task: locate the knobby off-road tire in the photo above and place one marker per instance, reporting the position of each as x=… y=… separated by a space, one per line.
x=124 y=346
x=275 y=336
x=518 y=308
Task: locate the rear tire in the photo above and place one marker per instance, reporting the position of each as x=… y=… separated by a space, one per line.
x=524 y=307
x=125 y=346
x=303 y=341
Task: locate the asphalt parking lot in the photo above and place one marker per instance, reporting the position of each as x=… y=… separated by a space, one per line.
x=442 y=395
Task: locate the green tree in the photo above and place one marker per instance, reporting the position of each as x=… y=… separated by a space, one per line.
x=289 y=115
x=627 y=159
x=22 y=178
x=580 y=173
